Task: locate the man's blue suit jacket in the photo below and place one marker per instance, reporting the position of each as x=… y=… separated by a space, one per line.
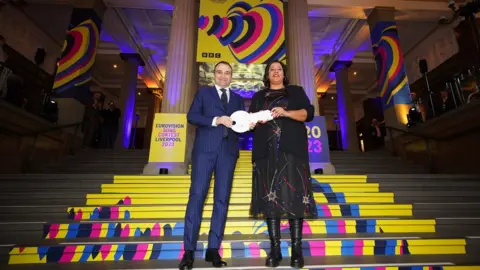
x=205 y=106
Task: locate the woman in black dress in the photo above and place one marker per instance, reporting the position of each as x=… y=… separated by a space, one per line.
x=281 y=185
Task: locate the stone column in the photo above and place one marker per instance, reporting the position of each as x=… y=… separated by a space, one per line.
x=181 y=81
x=321 y=108
x=392 y=82
x=299 y=49
x=300 y=59
x=126 y=101
x=179 y=84
x=346 y=112
x=153 y=106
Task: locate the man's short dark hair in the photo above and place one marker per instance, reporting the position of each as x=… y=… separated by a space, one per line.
x=222 y=62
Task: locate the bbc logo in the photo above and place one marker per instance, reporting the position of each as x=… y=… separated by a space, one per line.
x=211 y=55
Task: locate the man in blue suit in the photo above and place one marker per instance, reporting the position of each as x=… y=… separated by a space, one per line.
x=215 y=149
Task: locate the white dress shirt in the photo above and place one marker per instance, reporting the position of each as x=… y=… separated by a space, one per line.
x=214 y=121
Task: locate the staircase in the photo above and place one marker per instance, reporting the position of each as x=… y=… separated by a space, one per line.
x=399 y=221
x=128 y=162
x=102 y=161
x=373 y=162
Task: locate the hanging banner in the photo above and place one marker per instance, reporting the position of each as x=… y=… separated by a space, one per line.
x=318 y=147
x=169 y=134
x=246 y=32
x=392 y=79
x=79 y=50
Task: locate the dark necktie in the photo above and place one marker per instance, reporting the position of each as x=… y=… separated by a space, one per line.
x=225 y=106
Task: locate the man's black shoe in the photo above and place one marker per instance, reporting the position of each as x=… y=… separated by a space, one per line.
x=212 y=256
x=187 y=260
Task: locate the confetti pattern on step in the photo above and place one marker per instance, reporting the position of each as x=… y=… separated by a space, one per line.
x=155 y=199
x=126 y=229
x=107 y=230
x=323 y=210
x=235 y=249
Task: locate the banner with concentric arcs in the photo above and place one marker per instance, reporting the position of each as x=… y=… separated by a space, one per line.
x=244 y=32
x=392 y=79
x=78 y=53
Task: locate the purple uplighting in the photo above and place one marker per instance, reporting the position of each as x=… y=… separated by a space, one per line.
x=128 y=112
x=244 y=93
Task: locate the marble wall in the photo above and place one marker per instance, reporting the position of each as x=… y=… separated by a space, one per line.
x=23 y=35
x=436 y=48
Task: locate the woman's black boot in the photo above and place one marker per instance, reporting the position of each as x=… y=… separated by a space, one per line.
x=275 y=255
x=296 y=226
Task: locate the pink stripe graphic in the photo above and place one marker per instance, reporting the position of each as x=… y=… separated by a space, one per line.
x=96 y=230
x=114 y=212
x=275 y=39
x=326 y=210
x=317 y=248
x=105 y=250
x=342 y=226
x=254 y=250
x=358 y=247
x=78 y=215
x=68 y=254
x=306 y=228
x=256 y=33
x=141 y=251
x=125 y=231
x=156 y=230
x=180 y=254
x=205 y=23
x=220 y=250
x=224 y=27
x=54 y=230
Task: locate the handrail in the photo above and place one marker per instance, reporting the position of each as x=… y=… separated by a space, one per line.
x=26 y=163
x=427 y=141
x=50 y=129
x=424 y=137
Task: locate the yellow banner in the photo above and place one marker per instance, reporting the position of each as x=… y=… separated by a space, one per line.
x=246 y=32
x=169 y=134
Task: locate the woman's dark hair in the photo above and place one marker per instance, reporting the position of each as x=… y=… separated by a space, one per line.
x=266 y=81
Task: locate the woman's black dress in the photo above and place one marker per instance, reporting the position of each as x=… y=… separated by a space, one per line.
x=281 y=185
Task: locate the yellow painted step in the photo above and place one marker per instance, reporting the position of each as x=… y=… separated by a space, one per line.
x=123 y=179
x=148 y=250
x=236 y=179
x=103 y=229
x=184 y=188
x=239 y=211
x=138 y=199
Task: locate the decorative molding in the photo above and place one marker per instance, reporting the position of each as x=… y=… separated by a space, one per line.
x=349 y=37
x=135 y=57
x=141 y=4
x=350 y=31
x=339 y=64
x=137 y=41
x=101 y=83
x=398 y=4
x=157 y=92
x=363 y=60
